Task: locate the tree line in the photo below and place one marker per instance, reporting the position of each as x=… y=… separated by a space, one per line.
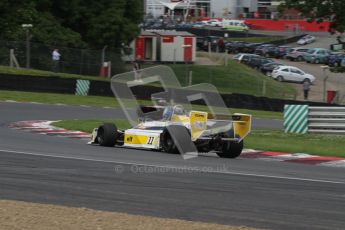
x=74 y=23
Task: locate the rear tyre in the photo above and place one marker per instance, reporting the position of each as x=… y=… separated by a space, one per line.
x=106 y=135
x=280 y=79
x=230 y=149
x=300 y=59
x=317 y=61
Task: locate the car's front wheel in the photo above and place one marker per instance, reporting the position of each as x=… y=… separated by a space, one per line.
x=176 y=139
x=106 y=135
x=280 y=78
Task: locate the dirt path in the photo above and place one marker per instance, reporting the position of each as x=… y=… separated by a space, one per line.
x=22 y=215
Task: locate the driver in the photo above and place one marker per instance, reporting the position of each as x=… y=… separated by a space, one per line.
x=168 y=112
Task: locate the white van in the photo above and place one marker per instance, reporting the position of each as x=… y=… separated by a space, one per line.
x=237 y=25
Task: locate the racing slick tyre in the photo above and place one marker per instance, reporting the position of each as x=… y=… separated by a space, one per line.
x=173 y=136
x=230 y=149
x=106 y=135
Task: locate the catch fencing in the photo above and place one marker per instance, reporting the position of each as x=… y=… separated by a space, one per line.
x=73 y=61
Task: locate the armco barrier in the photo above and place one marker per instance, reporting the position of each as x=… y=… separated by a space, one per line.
x=326 y=120
x=314 y=119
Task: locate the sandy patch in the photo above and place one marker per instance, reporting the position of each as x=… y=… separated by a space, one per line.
x=22 y=215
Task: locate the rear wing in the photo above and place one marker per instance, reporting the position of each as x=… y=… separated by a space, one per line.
x=242 y=124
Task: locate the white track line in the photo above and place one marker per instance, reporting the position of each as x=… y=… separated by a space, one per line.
x=193 y=168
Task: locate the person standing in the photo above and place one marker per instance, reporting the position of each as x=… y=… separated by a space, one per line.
x=56 y=60
x=306 y=88
x=136 y=70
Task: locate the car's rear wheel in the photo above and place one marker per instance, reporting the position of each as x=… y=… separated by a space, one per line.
x=230 y=149
x=317 y=61
x=280 y=78
x=106 y=135
x=299 y=58
x=336 y=64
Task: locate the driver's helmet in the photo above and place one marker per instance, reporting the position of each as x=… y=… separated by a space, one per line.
x=168 y=112
x=179 y=110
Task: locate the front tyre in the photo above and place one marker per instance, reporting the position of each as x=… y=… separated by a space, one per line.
x=106 y=135
x=176 y=135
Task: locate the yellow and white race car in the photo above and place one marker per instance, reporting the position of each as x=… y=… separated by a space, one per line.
x=179 y=131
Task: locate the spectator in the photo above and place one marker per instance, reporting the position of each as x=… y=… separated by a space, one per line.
x=306 y=88
x=136 y=70
x=221 y=45
x=56 y=60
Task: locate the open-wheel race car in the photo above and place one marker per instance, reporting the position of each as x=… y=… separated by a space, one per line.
x=180 y=131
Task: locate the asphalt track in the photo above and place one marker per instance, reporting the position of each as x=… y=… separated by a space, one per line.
x=248 y=192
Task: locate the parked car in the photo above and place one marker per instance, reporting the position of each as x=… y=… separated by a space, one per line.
x=264 y=50
x=236 y=47
x=296 y=54
x=203 y=42
x=342 y=64
x=199 y=25
x=269 y=67
x=291 y=73
x=306 y=40
x=316 y=55
x=184 y=25
x=257 y=62
x=244 y=57
x=251 y=47
x=334 y=59
x=214 y=23
x=282 y=51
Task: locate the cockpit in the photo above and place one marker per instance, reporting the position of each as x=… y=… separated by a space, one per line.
x=170 y=112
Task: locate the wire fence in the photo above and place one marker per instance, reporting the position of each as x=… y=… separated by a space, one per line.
x=74 y=61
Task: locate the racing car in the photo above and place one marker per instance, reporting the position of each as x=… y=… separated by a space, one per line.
x=179 y=131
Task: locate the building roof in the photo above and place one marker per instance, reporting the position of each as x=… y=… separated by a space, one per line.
x=174 y=33
x=147 y=33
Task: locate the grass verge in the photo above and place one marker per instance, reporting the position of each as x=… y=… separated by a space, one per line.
x=319 y=144
x=267 y=140
x=235 y=78
x=52 y=98
x=89 y=125
x=42 y=73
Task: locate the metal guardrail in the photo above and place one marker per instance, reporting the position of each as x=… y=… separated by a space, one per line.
x=326 y=120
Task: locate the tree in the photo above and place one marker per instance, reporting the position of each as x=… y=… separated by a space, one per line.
x=321 y=10
x=76 y=23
